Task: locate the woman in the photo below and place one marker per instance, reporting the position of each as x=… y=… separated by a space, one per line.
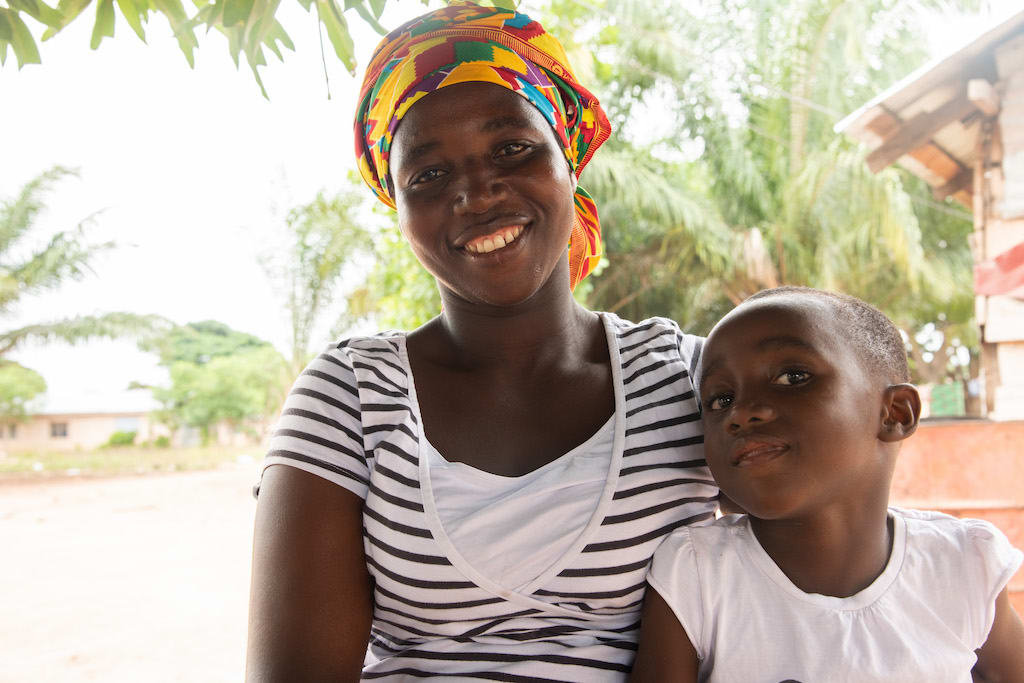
x=479 y=498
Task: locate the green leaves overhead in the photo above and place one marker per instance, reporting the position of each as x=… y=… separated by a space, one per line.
x=104 y=25
x=15 y=33
x=249 y=25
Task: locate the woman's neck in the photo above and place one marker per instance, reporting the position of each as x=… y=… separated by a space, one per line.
x=830 y=553
x=533 y=333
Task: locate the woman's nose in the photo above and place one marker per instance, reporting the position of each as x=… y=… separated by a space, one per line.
x=478 y=192
x=750 y=414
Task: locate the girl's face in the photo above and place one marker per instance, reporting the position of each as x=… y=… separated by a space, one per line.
x=484 y=193
x=791 y=415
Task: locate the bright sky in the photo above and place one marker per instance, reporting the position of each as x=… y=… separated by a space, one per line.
x=193 y=172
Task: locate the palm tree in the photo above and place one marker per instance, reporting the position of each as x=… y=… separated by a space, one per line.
x=27 y=271
x=725 y=175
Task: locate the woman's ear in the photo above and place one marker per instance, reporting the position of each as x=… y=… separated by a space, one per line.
x=901 y=411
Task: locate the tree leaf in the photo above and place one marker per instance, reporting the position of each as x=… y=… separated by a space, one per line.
x=6 y=29
x=134 y=15
x=22 y=41
x=39 y=11
x=104 y=25
x=181 y=25
x=377 y=7
x=337 y=31
x=237 y=11
x=69 y=11
x=369 y=18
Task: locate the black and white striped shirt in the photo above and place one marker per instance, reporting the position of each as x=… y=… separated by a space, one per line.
x=352 y=418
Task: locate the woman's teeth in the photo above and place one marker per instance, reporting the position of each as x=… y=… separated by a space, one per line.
x=500 y=239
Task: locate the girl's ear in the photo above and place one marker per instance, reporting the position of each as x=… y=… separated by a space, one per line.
x=901 y=410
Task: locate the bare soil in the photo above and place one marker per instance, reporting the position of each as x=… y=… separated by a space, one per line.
x=126 y=579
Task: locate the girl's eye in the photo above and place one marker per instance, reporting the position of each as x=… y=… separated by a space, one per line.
x=427 y=176
x=511 y=149
x=792 y=377
x=720 y=402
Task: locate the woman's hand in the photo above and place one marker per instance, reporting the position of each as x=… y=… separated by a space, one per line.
x=311 y=602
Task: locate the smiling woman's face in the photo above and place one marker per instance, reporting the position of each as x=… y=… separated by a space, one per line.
x=484 y=193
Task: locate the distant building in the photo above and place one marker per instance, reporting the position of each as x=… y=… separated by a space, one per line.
x=83 y=422
x=76 y=431
x=958 y=123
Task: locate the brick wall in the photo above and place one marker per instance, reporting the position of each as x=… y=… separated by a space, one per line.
x=968 y=468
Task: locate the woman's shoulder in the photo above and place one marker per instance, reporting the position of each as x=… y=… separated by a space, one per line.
x=656 y=333
x=385 y=345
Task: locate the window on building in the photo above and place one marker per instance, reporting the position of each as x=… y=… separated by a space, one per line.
x=127 y=424
x=58 y=430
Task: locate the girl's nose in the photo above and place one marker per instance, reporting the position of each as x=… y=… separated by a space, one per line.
x=750 y=414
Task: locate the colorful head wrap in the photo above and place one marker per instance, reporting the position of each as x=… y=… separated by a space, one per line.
x=469 y=43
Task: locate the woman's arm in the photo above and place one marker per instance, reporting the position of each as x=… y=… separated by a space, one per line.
x=311 y=602
x=1001 y=658
x=666 y=653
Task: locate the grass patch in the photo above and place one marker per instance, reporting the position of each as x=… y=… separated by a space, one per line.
x=127 y=460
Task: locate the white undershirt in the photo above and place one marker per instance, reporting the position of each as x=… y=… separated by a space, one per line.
x=512 y=529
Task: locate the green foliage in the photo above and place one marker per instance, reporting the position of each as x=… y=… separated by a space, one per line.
x=398 y=293
x=162 y=441
x=26 y=271
x=735 y=181
x=19 y=386
x=200 y=342
x=120 y=440
x=217 y=375
x=326 y=240
x=250 y=26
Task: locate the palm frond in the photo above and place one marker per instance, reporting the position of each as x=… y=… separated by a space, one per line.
x=18 y=215
x=85 y=327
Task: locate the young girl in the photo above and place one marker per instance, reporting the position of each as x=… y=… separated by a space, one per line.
x=804 y=407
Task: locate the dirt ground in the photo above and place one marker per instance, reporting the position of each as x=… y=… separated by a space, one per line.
x=127 y=579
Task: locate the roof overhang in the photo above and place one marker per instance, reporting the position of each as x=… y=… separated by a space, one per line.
x=930 y=121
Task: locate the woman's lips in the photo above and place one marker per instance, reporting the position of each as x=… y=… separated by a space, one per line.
x=499 y=239
x=753 y=452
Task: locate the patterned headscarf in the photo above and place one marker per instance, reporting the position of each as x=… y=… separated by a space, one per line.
x=468 y=43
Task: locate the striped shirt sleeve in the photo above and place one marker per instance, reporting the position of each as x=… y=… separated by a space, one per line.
x=320 y=430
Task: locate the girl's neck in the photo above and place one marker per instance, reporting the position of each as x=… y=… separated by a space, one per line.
x=831 y=553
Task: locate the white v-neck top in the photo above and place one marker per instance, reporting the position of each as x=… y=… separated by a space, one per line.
x=513 y=529
x=352 y=418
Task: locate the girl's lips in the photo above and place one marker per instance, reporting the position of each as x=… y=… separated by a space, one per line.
x=755 y=452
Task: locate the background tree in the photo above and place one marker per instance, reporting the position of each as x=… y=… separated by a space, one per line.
x=250 y=26
x=29 y=266
x=736 y=180
x=218 y=375
x=327 y=243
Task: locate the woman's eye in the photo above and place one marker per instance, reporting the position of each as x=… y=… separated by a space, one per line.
x=427 y=176
x=511 y=149
x=720 y=402
x=792 y=377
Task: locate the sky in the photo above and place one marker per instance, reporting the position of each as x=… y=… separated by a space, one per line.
x=192 y=173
